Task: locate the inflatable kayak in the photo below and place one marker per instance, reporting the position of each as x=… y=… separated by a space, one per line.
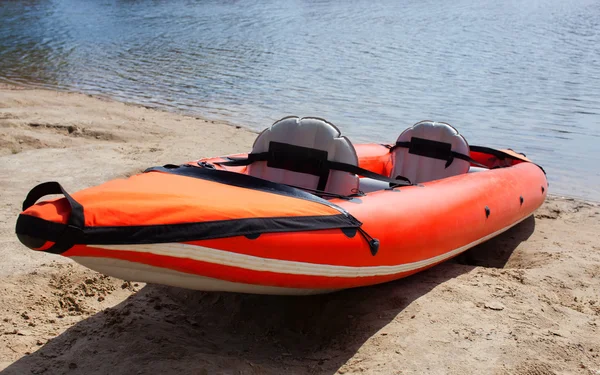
x=304 y=212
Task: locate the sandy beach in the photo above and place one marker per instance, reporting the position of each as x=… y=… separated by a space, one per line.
x=525 y=302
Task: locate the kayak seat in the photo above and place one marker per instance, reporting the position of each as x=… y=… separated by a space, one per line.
x=297 y=146
x=430 y=151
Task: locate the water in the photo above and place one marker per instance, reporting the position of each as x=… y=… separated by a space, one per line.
x=520 y=74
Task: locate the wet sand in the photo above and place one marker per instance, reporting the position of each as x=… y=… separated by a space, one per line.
x=526 y=302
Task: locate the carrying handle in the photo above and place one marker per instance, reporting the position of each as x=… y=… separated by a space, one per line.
x=73 y=229
x=76 y=218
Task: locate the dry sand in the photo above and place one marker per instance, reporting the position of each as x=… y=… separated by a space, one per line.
x=526 y=302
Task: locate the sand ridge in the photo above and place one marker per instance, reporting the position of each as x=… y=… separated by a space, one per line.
x=525 y=302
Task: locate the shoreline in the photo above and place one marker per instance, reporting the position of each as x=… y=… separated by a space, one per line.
x=524 y=302
x=6 y=84
x=9 y=85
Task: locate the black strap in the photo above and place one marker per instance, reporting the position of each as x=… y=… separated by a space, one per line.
x=399 y=180
x=75 y=223
x=294 y=158
x=239 y=162
x=76 y=217
x=338 y=166
x=434 y=149
x=307 y=160
x=314 y=167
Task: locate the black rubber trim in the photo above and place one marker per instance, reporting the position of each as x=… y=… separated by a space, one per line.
x=123 y=235
x=34 y=226
x=243 y=181
x=255 y=183
x=212 y=229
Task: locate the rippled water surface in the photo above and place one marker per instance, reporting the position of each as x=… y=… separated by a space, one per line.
x=521 y=74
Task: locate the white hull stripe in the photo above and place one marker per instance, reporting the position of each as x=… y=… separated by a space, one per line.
x=249 y=262
x=149 y=274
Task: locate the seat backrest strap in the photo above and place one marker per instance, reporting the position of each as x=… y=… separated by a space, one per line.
x=307 y=160
x=434 y=149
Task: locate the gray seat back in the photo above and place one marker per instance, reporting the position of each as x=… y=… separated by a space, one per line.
x=310 y=133
x=439 y=137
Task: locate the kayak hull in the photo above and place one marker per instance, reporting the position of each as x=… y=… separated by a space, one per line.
x=254 y=282
x=416 y=227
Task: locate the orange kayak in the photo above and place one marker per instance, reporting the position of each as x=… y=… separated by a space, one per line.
x=266 y=222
